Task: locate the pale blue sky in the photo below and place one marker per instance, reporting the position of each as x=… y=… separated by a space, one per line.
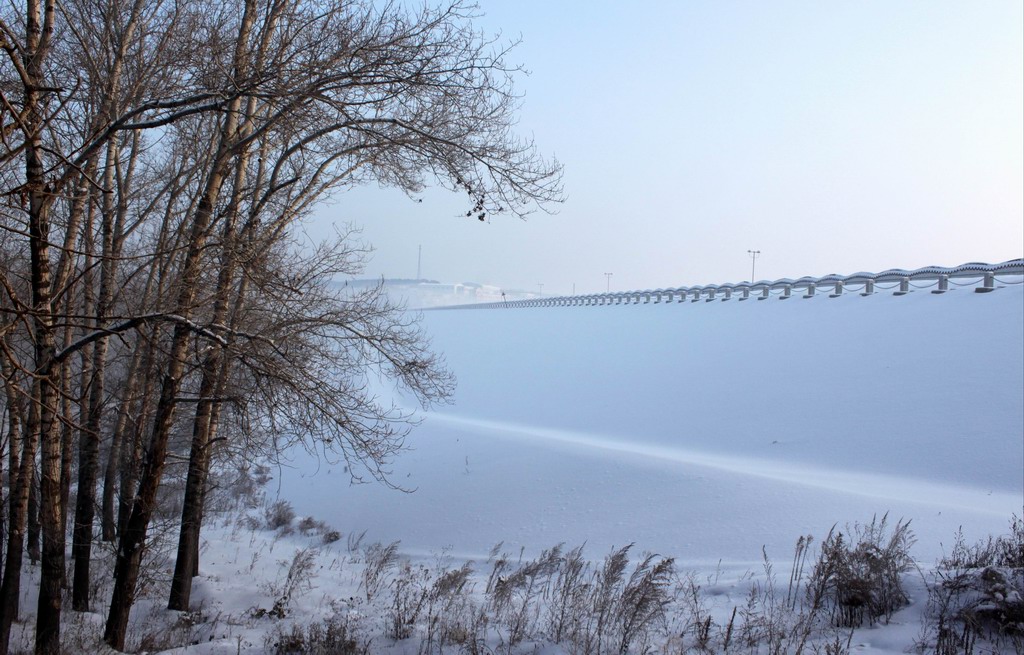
x=832 y=136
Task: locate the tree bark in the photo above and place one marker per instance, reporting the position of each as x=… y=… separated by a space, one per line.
x=39 y=25
x=10 y=588
x=67 y=437
x=186 y=565
x=89 y=446
x=33 y=546
x=129 y=552
x=108 y=519
x=10 y=591
x=124 y=455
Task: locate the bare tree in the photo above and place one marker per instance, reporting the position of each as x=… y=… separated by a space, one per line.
x=154 y=158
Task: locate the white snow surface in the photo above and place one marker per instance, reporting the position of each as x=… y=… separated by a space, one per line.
x=706 y=430
x=702 y=431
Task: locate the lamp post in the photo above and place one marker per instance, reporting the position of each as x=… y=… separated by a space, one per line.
x=540 y=285
x=754 y=254
x=608 y=282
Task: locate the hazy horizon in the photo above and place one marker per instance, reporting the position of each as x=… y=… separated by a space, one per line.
x=832 y=138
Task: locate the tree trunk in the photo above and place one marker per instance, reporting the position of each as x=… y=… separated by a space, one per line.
x=39 y=24
x=109 y=517
x=13 y=404
x=129 y=552
x=67 y=436
x=10 y=588
x=126 y=570
x=33 y=546
x=87 y=308
x=133 y=437
x=89 y=446
x=131 y=452
x=52 y=570
x=186 y=564
x=10 y=591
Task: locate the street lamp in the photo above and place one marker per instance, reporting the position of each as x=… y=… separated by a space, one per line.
x=754 y=254
x=540 y=285
x=608 y=282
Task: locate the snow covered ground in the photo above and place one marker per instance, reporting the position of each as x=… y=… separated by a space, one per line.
x=703 y=431
x=706 y=430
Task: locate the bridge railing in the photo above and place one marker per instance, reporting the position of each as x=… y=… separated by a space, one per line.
x=982 y=277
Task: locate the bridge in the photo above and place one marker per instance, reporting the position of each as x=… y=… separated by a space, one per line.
x=981 y=277
x=710 y=430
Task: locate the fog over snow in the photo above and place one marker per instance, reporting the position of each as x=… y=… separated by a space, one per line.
x=705 y=430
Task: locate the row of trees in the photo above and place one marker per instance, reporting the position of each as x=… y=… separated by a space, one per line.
x=155 y=156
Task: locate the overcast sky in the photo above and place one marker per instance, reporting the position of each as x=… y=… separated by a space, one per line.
x=834 y=137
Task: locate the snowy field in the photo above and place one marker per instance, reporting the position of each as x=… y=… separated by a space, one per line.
x=701 y=431
x=706 y=430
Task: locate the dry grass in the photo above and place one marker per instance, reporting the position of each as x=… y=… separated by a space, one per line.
x=976 y=598
x=619 y=604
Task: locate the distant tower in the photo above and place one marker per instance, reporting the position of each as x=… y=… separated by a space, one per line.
x=419 y=261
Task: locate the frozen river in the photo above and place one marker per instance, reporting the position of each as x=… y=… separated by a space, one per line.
x=706 y=430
